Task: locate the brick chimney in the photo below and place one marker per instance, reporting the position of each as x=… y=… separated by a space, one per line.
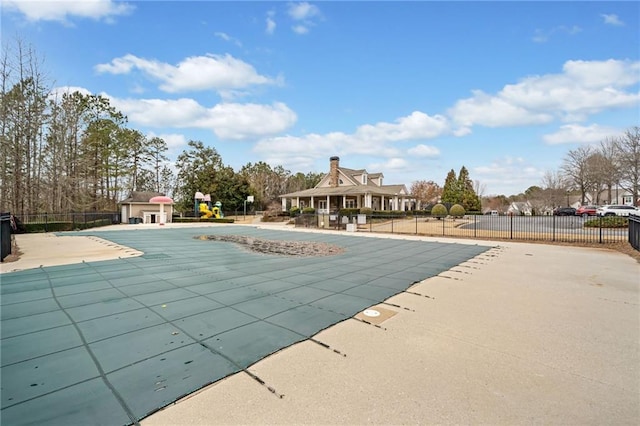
x=334 y=163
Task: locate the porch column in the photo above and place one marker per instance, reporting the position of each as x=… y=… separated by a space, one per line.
x=359 y=201
x=344 y=201
x=312 y=203
x=298 y=202
x=395 y=203
x=328 y=204
x=382 y=202
x=284 y=204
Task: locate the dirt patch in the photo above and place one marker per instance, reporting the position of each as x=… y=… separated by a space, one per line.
x=285 y=248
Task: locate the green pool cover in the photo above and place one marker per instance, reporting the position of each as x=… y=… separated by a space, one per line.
x=111 y=342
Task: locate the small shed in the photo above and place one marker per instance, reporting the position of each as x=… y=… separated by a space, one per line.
x=139 y=208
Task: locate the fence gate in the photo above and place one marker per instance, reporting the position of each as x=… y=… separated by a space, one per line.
x=634 y=231
x=5 y=235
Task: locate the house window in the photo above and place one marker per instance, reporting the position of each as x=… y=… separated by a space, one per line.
x=322 y=205
x=364 y=179
x=350 y=203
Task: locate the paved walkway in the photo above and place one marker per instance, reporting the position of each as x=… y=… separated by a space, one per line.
x=519 y=334
x=120 y=339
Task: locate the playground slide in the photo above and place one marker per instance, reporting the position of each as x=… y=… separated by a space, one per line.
x=215 y=211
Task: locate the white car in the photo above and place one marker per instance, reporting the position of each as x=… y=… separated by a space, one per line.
x=617 y=210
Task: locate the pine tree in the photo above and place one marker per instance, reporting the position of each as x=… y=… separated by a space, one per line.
x=468 y=197
x=451 y=192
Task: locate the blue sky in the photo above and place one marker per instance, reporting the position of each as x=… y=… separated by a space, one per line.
x=410 y=89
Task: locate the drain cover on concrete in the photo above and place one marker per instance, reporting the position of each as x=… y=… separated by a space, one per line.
x=376 y=315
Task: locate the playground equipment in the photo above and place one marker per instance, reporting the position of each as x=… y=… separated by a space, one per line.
x=216 y=211
x=203 y=206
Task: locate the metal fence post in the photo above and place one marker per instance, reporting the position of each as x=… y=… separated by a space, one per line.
x=600 y=230
x=511 y=228
x=475 y=226
x=392 y=224
x=443 y=220
x=416 y=224
x=553 y=238
x=46 y=222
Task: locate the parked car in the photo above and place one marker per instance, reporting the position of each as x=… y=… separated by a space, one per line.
x=564 y=211
x=617 y=210
x=585 y=211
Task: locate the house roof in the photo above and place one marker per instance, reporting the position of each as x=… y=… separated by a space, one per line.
x=350 y=184
x=387 y=190
x=140 y=197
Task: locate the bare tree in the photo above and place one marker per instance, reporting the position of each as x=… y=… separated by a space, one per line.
x=554 y=188
x=479 y=188
x=575 y=168
x=628 y=159
x=609 y=166
x=23 y=117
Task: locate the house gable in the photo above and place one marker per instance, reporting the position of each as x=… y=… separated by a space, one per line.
x=345 y=178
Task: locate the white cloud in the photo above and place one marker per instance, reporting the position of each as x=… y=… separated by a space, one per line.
x=57 y=92
x=303 y=11
x=582 y=89
x=300 y=29
x=174 y=140
x=423 y=151
x=305 y=15
x=574 y=133
x=62 y=11
x=368 y=139
x=229 y=121
x=542 y=36
x=227 y=37
x=217 y=72
x=510 y=174
x=392 y=164
x=271 y=23
x=417 y=125
x=612 y=20
x=493 y=111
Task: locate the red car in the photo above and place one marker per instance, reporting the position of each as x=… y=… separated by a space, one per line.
x=585 y=211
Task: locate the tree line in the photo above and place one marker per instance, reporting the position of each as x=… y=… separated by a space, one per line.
x=590 y=174
x=66 y=152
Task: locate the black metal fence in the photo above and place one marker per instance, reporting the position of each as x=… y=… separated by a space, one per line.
x=634 y=231
x=5 y=235
x=574 y=229
x=55 y=222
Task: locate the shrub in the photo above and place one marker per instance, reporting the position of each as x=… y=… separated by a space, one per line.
x=389 y=213
x=608 y=222
x=439 y=210
x=294 y=211
x=308 y=210
x=349 y=212
x=366 y=210
x=457 y=210
x=197 y=219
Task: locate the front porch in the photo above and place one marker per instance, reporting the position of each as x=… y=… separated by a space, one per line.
x=331 y=203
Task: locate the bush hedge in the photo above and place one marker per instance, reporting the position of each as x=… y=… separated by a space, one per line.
x=308 y=210
x=198 y=219
x=349 y=212
x=439 y=210
x=64 y=226
x=608 y=222
x=457 y=210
